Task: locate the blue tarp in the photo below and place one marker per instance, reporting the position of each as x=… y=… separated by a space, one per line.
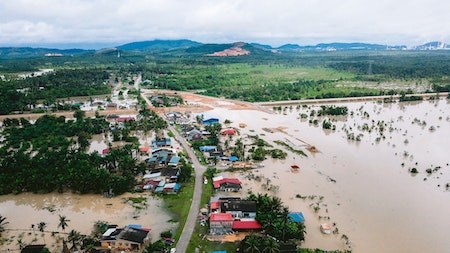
x=297 y=217
x=232 y=158
x=219 y=251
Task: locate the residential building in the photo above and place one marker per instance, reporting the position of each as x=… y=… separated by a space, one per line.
x=220 y=223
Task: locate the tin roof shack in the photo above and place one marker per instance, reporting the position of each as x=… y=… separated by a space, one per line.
x=220 y=223
x=297 y=217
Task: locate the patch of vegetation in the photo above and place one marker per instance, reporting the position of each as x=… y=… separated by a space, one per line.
x=332 y=110
x=287 y=146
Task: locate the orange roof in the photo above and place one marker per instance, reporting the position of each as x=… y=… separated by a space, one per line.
x=221 y=217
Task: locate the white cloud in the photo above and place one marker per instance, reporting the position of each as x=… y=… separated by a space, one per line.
x=276 y=22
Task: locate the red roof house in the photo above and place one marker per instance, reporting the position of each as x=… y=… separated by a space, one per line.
x=229 y=131
x=227 y=184
x=246 y=225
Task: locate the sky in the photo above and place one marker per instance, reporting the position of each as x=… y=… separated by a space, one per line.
x=97 y=23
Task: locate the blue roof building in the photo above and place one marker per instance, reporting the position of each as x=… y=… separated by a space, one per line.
x=210 y=121
x=207 y=148
x=297 y=217
x=233 y=158
x=174 y=161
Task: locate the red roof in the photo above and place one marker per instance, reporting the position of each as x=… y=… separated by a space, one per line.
x=228 y=132
x=221 y=217
x=226 y=180
x=144 y=149
x=122 y=119
x=214 y=205
x=105 y=151
x=244 y=225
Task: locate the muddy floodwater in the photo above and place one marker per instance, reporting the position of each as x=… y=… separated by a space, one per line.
x=83 y=211
x=360 y=181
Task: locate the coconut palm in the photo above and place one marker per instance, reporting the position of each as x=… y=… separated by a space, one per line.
x=41 y=226
x=271 y=246
x=74 y=237
x=3 y=223
x=251 y=244
x=63 y=222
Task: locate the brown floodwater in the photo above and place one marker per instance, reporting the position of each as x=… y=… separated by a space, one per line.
x=363 y=188
x=83 y=211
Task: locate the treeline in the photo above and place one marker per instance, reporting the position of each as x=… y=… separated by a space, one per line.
x=402 y=65
x=50 y=155
x=23 y=94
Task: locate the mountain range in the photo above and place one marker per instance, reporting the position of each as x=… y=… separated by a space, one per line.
x=185 y=46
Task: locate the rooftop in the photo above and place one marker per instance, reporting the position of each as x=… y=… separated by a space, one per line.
x=133 y=235
x=246 y=225
x=221 y=217
x=238 y=205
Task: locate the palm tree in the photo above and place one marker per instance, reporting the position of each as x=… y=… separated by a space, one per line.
x=20 y=243
x=63 y=222
x=41 y=228
x=251 y=243
x=74 y=237
x=2 y=224
x=271 y=246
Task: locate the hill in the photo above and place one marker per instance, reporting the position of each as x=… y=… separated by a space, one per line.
x=25 y=52
x=158 y=45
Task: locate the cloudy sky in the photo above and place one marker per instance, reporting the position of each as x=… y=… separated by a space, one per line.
x=275 y=22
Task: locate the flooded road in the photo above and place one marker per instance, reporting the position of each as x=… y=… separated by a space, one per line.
x=364 y=188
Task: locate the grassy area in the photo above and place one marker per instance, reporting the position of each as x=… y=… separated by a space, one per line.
x=200 y=157
x=196 y=240
x=180 y=203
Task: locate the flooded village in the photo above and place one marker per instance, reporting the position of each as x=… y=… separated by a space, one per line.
x=342 y=176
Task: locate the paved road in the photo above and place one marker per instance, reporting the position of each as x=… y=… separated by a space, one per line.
x=198 y=189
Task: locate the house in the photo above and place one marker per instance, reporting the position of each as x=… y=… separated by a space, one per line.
x=124 y=118
x=210 y=121
x=161 y=142
x=207 y=148
x=129 y=238
x=239 y=209
x=170 y=174
x=227 y=184
x=297 y=217
x=233 y=158
x=246 y=225
x=229 y=131
x=194 y=135
x=144 y=150
x=174 y=160
x=171 y=188
x=220 y=223
x=160 y=157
